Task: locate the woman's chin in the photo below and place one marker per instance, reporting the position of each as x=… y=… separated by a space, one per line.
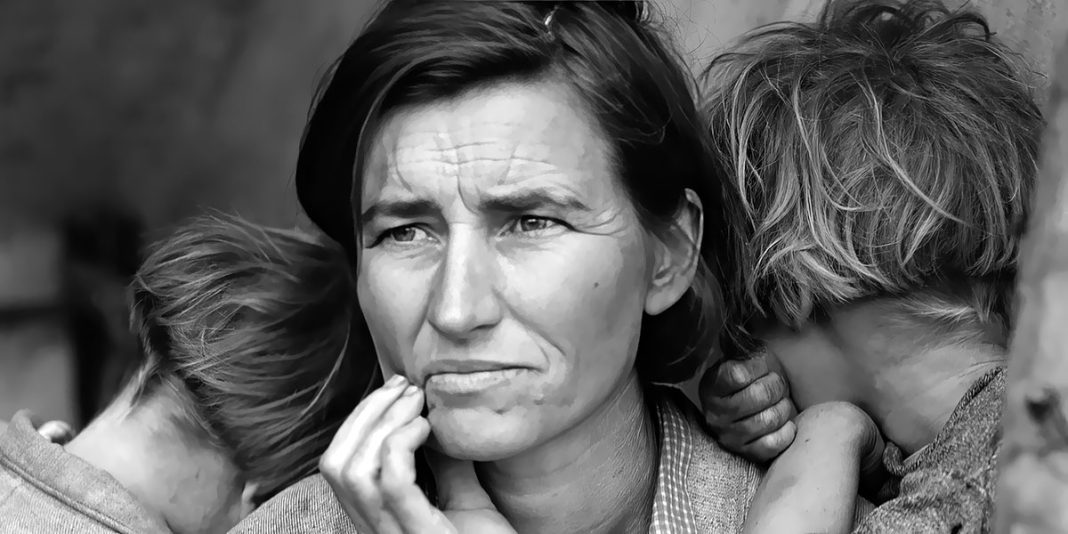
x=465 y=435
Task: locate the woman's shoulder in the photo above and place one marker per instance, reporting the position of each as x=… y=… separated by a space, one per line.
x=683 y=430
x=307 y=506
x=716 y=484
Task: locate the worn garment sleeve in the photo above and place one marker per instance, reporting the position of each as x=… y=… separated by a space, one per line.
x=949 y=485
x=307 y=507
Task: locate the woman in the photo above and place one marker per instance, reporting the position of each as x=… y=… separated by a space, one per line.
x=524 y=192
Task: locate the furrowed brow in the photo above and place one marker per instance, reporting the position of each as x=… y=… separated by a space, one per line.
x=533 y=200
x=400 y=209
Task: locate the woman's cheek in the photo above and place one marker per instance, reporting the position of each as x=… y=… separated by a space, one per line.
x=385 y=315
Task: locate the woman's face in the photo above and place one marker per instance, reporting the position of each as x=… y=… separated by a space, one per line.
x=503 y=267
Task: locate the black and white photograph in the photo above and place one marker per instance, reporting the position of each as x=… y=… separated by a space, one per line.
x=534 y=267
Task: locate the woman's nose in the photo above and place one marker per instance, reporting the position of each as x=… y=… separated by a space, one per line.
x=464 y=300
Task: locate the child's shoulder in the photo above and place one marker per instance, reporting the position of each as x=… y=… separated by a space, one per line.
x=948 y=484
x=972 y=436
x=307 y=506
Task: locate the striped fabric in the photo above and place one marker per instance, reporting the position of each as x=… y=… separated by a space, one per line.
x=672 y=510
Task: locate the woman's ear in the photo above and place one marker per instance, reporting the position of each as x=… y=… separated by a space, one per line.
x=678 y=256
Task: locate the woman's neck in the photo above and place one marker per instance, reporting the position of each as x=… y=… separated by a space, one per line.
x=191 y=488
x=600 y=476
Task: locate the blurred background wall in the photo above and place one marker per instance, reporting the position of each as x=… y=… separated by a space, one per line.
x=118 y=118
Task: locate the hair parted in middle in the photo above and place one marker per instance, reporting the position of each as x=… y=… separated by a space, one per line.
x=617 y=63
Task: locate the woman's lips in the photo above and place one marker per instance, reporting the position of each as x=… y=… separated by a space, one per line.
x=471 y=383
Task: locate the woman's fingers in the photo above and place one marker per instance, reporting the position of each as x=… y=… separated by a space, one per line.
x=371 y=463
x=410 y=507
x=356 y=425
x=351 y=463
x=398 y=455
x=406 y=407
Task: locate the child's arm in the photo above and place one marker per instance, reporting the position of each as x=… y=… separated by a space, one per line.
x=812 y=486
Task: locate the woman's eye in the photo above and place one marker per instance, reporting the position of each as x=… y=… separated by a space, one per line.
x=533 y=224
x=402 y=234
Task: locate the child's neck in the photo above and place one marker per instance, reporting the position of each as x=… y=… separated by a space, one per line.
x=909 y=388
x=192 y=488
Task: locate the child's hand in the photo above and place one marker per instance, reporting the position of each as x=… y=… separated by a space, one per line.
x=57 y=432
x=748 y=407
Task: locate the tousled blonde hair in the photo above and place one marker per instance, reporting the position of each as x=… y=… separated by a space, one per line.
x=887 y=149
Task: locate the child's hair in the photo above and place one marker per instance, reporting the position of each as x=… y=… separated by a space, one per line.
x=888 y=149
x=248 y=328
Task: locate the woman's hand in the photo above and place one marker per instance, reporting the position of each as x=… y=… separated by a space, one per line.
x=370 y=465
x=466 y=505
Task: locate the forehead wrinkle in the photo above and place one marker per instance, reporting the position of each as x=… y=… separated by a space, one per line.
x=480 y=147
x=413 y=155
x=395 y=172
x=393 y=151
x=483 y=159
x=508 y=168
x=479 y=164
x=515 y=162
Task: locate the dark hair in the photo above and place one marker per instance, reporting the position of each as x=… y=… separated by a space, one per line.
x=887 y=149
x=247 y=328
x=610 y=54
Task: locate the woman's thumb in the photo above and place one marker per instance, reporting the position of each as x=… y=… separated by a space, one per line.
x=457 y=483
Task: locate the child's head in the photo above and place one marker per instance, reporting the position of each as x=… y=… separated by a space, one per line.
x=887 y=150
x=245 y=330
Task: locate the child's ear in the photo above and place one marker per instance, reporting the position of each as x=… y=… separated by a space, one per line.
x=677 y=257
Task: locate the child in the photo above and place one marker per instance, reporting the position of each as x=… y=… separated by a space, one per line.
x=886 y=155
x=244 y=379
